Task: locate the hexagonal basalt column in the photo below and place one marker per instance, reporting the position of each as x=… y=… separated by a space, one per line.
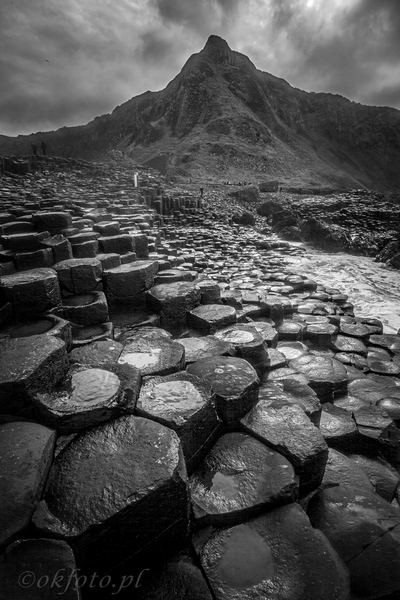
x=119 y=244
x=30 y=292
x=210 y=291
x=39 y=569
x=277 y=555
x=48 y=325
x=87 y=309
x=328 y=377
x=276 y=395
x=197 y=348
x=287 y=429
x=126 y=284
x=79 y=275
x=96 y=354
x=186 y=404
x=89 y=396
x=153 y=355
x=249 y=344
x=210 y=317
x=53 y=222
x=108 y=505
x=234 y=382
x=239 y=479
x=26 y=452
x=364 y=530
x=172 y=301
x=29 y=365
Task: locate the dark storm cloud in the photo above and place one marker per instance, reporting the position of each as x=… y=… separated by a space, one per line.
x=198 y=15
x=349 y=47
x=388 y=96
x=64 y=63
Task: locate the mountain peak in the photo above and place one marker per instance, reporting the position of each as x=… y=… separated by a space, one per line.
x=217 y=48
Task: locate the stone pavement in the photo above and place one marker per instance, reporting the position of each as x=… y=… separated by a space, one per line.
x=179 y=413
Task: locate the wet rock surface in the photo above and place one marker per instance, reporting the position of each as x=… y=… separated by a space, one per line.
x=364 y=530
x=88 y=396
x=186 y=404
x=239 y=478
x=277 y=555
x=37 y=569
x=29 y=365
x=108 y=292
x=113 y=492
x=26 y=453
x=287 y=429
x=234 y=382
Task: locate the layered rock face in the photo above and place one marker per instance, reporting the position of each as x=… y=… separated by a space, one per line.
x=183 y=416
x=221 y=117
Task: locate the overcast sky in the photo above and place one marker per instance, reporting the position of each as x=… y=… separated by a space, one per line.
x=63 y=62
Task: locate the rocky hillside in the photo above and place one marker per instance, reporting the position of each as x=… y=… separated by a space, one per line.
x=223 y=118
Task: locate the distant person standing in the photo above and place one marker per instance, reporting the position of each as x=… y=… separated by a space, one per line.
x=34 y=149
x=201 y=192
x=43 y=147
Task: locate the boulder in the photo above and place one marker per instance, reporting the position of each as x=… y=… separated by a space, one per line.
x=332 y=238
x=246 y=194
x=246 y=218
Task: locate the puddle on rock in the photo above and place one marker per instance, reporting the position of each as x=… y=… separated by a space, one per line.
x=141 y=360
x=246 y=559
x=224 y=485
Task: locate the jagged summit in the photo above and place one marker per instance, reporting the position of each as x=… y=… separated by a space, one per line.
x=216 y=47
x=221 y=117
